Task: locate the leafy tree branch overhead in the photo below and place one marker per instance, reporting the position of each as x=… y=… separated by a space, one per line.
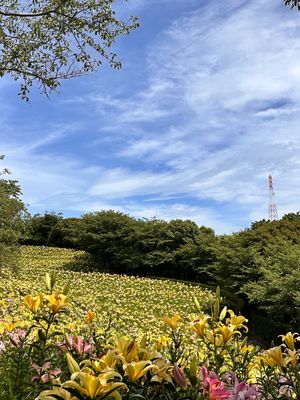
x=292 y=3
x=47 y=41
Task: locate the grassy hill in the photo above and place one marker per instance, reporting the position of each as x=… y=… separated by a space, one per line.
x=134 y=305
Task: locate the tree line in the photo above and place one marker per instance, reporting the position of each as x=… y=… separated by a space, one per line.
x=260 y=265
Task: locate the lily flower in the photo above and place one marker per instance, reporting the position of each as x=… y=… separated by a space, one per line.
x=217 y=390
x=109 y=360
x=179 y=376
x=136 y=370
x=293 y=357
x=243 y=391
x=128 y=349
x=274 y=357
x=95 y=387
x=57 y=302
x=45 y=373
x=17 y=337
x=289 y=339
x=90 y=316
x=162 y=374
x=56 y=392
x=33 y=303
x=200 y=326
x=172 y=322
x=237 y=321
x=227 y=332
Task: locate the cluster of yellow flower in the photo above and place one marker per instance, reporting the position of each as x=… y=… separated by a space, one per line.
x=96 y=378
x=134 y=305
x=159 y=333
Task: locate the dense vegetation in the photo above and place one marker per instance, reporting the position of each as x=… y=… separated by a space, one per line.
x=12 y=212
x=91 y=336
x=260 y=264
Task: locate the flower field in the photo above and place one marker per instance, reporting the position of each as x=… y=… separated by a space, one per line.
x=67 y=335
x=134 y=305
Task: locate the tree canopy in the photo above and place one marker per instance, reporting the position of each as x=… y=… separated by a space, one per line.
x=11 y=217
x=46 y=41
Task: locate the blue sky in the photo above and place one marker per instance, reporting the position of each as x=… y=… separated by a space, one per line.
x=205 y=107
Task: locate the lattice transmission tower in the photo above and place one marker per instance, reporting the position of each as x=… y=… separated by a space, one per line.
x=273 y=215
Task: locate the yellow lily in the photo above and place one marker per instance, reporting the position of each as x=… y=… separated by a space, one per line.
x=90 y=316
x=162 y=342
x=274 y=356
x=162 y=373
x=213 y=338
x=10 y=326
x=128 y=349
x=109 y=360
x=293 y=357
x=227 y=332
x=289 y=339
x=57 y=301
x=95 y=387
x=33 y=303
x=172 y=322
x=237 y=321
x=136 y=370
x=56 y=392
x=200 y=326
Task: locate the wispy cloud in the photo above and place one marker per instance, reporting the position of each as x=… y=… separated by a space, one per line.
x=208 y=110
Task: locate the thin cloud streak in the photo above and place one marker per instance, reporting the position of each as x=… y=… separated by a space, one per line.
x=217 y=110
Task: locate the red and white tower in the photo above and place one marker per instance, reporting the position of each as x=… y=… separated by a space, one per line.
x=273 y=216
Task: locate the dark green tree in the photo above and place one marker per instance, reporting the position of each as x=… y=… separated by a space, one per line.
x=276 y=293
x=108 y=236
x=65 y=233
x=40 y=227
x=49 y=40
x=12 y=212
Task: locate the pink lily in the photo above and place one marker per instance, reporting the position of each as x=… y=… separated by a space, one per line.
x=217 y=390
x=179 y=376
x=44 y=373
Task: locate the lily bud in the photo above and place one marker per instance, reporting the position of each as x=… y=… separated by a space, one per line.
x=143 y=342
x=53 y=279
x=196 y=304
x=48 y=281
x=179 y=376
x=217 y=308
x=72 y=364
x=67 y=287
x=223 y=313
x=194 y=366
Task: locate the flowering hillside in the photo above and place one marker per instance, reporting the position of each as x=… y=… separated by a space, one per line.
x=68 y=335
x=134 y=305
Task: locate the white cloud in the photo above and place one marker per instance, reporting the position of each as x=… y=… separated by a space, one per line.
x=216 y=110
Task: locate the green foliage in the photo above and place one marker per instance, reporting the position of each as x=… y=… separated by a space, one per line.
x=292 y=3
x=48 y=354
x=260 y=264
x=47 y=41
x=276 y=292
x=65 y=233
x=181 y=250
x=40 y=228
x=11 y=218
x=177 y=249
x=109 y=236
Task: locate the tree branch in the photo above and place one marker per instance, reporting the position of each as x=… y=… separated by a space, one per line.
x=29 y=15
